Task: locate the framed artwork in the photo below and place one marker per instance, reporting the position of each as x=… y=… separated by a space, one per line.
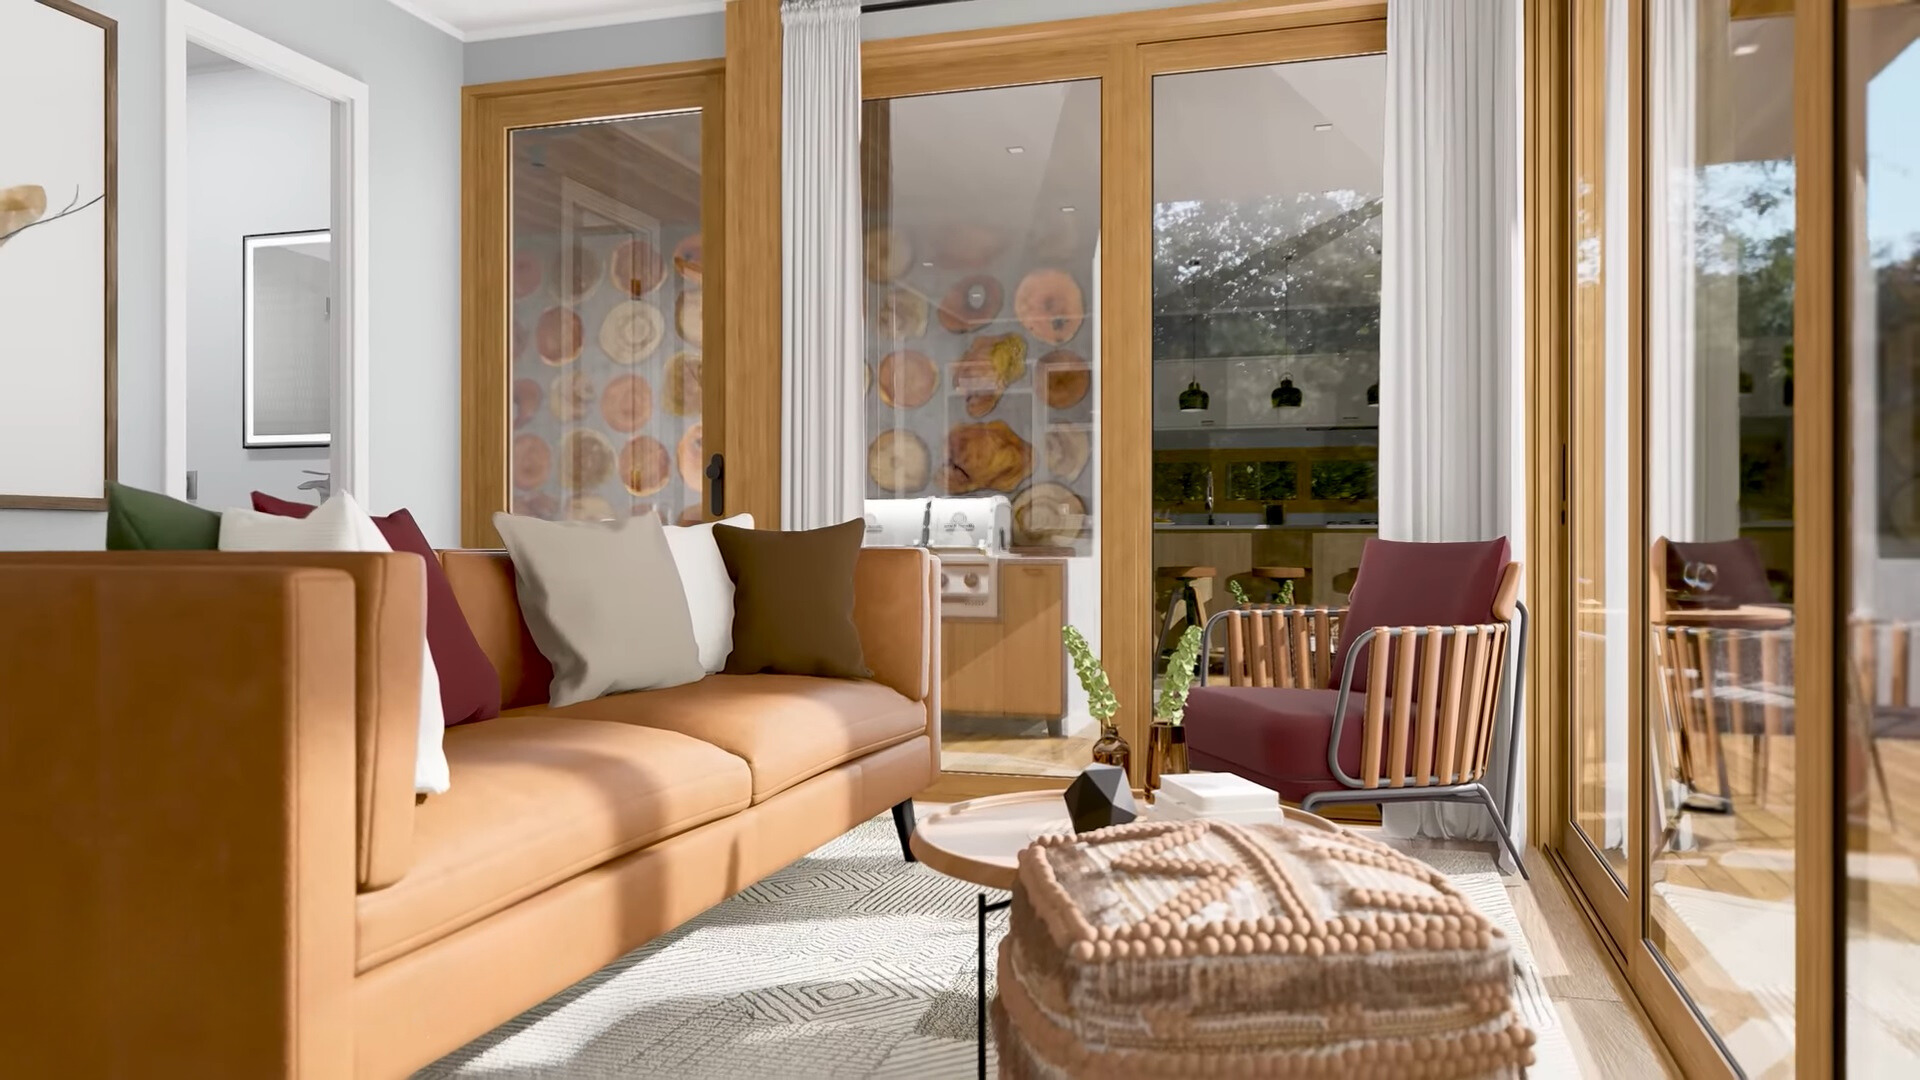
x=58 y=320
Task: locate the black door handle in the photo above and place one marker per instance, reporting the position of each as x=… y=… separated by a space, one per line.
x=716 y=485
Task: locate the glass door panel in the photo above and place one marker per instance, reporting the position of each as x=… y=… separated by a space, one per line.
x=607 y=320
x=1720 y=519
x=982 y=212
x=1881 y=789
x=1267 y=195
x=1599 y=489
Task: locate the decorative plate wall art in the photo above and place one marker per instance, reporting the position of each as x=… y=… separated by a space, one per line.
x=998 y=397
x=58 y=206
x=607 y=398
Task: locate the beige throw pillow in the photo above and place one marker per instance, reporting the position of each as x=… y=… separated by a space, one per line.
x=604 y=603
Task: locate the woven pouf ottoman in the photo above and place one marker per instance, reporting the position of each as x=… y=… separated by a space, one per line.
x=1206 y=949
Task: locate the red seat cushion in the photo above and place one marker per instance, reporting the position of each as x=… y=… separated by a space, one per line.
x=1275 y=738
x=469 y=685
x=1416 y=584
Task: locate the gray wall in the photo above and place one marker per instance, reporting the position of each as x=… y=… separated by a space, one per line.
x=413 y=73
x=701 y=37
x=257 y=162
x=656 y=41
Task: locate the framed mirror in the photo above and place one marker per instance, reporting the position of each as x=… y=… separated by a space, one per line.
x=286 y=339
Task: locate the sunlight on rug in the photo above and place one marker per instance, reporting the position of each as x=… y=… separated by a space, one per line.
x=848 y=963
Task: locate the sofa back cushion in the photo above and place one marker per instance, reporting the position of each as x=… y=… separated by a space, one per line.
x=1403 y=583
x=483 y=584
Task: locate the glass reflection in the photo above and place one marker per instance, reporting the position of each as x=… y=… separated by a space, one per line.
x=1881 y=805
x=1719 y=393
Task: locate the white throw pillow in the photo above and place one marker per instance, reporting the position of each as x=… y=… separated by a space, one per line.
x=340 y=525
x=703 y=573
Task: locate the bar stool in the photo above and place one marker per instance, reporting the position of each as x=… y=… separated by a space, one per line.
x=1279 y=574
x=1182 y=597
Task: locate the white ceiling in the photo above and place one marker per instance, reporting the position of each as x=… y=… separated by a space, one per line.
x=1240 y=134
x=480 y=20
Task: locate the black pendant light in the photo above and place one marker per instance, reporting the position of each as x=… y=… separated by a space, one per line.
x=1286 y=395
x=1373 y=395
x=1193 y=399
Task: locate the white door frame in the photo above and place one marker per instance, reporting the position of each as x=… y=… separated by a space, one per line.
x=348 y=456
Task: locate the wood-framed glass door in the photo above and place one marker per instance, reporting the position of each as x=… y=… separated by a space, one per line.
x=1047 y=132
x=1266 y=207
x=593 y=314
x=988 y=369
x=1603 y=476
x=1701 y=761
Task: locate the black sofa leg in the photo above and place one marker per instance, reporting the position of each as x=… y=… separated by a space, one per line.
x=903 y=824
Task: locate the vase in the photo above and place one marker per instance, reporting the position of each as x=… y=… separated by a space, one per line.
x=1111 y=749
x=1166 y=752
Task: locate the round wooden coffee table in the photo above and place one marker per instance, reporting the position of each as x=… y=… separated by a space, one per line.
x=980 y=840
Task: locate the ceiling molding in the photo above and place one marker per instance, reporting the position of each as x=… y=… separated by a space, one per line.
x=530 y=27
x=418 y=12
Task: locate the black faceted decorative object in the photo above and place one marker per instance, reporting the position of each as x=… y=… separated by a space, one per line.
x=1193 y=399
x=1100 y=796
x=1286 y=395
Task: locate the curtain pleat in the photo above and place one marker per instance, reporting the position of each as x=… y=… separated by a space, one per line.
x=1451 y=374
x=821 y=461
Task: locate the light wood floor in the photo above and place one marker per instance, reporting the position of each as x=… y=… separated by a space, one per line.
x=1015 y=747
x=1611 y=1037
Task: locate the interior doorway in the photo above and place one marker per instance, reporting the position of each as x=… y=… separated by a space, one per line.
x=265 y=365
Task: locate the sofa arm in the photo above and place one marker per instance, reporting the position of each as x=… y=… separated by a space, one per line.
x=177 y=811
x=389 y=640
x=896 y=608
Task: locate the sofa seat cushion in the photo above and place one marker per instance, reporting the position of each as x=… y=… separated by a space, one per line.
x=1275 y=738
x=787 y=727
x=537 y=800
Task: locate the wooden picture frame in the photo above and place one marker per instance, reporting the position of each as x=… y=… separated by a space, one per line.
x=47 y=228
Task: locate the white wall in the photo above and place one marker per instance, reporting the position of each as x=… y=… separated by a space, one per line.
x=413 y=74
x=257 y=162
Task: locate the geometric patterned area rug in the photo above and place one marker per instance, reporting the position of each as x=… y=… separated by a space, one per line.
x=849 y=963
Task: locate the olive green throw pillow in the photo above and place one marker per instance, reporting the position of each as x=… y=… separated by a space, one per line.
x=793 y=600
x=149 y=521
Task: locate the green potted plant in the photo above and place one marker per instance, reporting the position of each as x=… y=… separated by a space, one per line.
x=1110 y=748
x=1167 y=736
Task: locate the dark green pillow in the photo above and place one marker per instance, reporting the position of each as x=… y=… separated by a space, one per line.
x=149 y=521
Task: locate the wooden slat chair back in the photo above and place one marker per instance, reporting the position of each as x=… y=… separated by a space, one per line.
x=1434 y=725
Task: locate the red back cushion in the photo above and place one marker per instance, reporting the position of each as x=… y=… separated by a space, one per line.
x=469 y=686
x=1740 y=575
x=1413 y=584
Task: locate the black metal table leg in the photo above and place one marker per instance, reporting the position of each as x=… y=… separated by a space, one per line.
x=980 y=976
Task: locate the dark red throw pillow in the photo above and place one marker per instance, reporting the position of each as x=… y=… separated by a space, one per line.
x=469 y=685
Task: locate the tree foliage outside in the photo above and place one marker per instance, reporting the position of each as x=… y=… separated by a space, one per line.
x=1273 y=277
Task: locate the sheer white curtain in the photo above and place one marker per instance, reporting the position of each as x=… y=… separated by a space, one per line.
x=1451 y=419
x=1693 y=405
x=821 y=459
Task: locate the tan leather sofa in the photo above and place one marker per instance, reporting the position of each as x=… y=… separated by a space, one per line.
x=217 y=864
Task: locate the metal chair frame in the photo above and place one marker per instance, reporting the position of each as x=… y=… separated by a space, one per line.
x=1409 y=787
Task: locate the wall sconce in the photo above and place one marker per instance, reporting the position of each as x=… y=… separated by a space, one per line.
x=1193 y=399
x=1373 y=395
x=1286 y=395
